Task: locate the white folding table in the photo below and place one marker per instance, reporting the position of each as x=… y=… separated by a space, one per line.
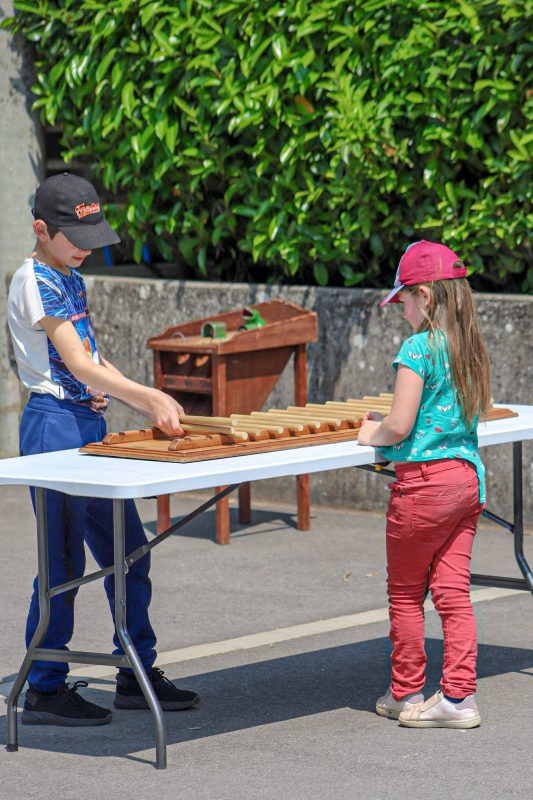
x=96 y=476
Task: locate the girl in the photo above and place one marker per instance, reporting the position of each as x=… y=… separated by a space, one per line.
x=442 y=386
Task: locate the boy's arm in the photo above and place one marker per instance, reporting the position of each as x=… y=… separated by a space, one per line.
x=401 y=418
x=160 y=407
x=108 y=364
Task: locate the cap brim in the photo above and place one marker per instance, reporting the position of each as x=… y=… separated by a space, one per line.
x=91 y=237
x=392 y=296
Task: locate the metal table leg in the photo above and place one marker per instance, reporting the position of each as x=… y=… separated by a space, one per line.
x=44 y=619
x=517 y=529
x=125 y=639
x=518 y=508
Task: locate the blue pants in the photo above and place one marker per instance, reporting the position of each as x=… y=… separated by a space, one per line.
x=49 y=424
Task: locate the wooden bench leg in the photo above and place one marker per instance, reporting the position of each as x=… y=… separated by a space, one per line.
x=163 y=513
x=303 y=502
x=222 y=519
x=245 y=509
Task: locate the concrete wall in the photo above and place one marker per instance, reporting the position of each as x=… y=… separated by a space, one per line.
x=357 y=342
x=21 y=170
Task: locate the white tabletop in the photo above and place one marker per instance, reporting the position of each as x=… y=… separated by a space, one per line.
x=97 y=476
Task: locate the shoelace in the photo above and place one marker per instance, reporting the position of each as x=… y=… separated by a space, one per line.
x=72 y=692
x=160 y=676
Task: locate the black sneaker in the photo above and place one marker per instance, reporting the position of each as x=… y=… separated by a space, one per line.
x=129 y=693
x=64 y=707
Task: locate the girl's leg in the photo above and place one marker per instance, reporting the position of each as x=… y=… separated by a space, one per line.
x=450 y=589
x=407 y=576
x=423 y=512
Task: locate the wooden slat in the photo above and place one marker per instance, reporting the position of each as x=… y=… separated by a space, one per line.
x=314 y=425
x=196 y=419
x=297 y=428
x=157 y=450
x=195 y=442
x=142 y=434
x=328 y=424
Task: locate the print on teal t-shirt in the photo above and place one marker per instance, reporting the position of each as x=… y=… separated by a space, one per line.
x=440 y=429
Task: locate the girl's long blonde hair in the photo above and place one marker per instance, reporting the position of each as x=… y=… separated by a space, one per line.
x=452 y=311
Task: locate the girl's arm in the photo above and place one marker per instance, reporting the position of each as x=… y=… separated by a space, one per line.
x=401 y=418
x=160 y=407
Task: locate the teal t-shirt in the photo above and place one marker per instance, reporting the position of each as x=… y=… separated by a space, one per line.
x=440 y=429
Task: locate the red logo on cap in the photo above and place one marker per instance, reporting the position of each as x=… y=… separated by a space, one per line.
x=83 y=210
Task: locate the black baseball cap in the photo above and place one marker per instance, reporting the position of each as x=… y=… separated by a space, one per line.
x=71 y=204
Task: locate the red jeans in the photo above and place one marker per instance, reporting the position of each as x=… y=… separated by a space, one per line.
x=431 y=522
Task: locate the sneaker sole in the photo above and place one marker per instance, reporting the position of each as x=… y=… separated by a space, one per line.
x=384 y=712
x=44 y=718
x=458 y=724
x=139 y=704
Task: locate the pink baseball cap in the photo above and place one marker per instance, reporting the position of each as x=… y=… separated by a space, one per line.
x=423 y=262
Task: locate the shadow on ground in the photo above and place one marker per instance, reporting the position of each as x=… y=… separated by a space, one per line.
x=203 y=526
x=262 y=693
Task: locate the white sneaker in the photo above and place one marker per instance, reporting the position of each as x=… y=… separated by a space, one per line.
x=437 y=712
x=387 y=706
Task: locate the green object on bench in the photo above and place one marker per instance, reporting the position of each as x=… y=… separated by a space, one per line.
x=252 y=319
x=215 y=330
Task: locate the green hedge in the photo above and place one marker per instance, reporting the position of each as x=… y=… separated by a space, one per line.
x=313 y=139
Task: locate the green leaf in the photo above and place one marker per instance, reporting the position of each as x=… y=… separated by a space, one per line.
x=286 y=151
x=185 y=107
x=105 y=63
x=202 y=260
x=321 y=274
x=128 y=98
x=279 y=46
x=171 y=135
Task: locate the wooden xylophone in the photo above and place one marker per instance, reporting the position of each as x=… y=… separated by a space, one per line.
x=258 y=432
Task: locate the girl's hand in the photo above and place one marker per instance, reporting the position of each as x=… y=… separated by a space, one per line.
x=367 y=430
x=375 y=416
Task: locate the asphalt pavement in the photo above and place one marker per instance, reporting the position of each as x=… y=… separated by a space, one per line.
x=284 y=634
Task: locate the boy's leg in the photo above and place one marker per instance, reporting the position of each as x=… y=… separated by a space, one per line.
x=66 y=557
x=99 y=538
x=49 y=700
x=47 y=425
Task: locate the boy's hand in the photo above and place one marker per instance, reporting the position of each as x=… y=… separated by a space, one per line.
x=165 y=412
x=99 y=401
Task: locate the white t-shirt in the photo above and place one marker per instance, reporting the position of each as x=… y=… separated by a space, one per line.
x=39 y=291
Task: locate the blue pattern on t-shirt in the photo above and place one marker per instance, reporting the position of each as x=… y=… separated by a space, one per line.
x=64 y=297
x=440 y=429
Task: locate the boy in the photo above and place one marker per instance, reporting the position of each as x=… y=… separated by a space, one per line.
x=70 y=384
